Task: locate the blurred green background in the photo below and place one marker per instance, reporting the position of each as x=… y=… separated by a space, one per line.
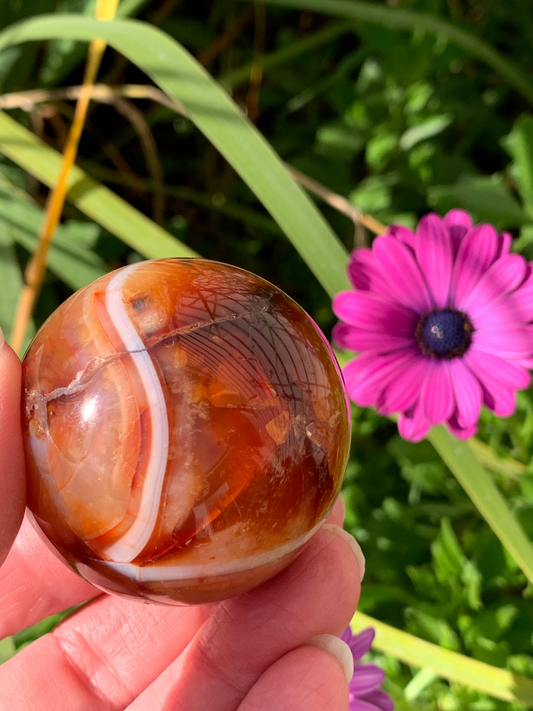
x=398 y=121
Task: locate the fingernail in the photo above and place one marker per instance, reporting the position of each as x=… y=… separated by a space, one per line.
x=350 y=540
x=338 y=648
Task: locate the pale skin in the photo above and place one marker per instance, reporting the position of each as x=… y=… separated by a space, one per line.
x=251 y=653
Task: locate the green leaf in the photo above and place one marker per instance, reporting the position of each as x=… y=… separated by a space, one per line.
x=7 y=649
x=436 y=629
x=486 y=198
x=92 y=198
x=70 y=258
x=405 y=19
x=213 y=111
x=286 y=53
x=519 y=144
x=30 y=634
x=447 y=553
x=11 y=277
x=422 y=131
x=486 y=497
x=445 y=663
x=418 y=683
x=62 y=56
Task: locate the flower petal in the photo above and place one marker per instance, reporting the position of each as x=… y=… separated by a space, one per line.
x=366 y=677
x=500 y=400
x=365 y=273
x=413 y=426
x=502 y=372
x=361 y=643
x=347 y=635
x=507 y=313
x=403 y=274
x=404 y=391
x=505 y=342
x=379 y=698
x=526 y=363
x=504 y=275
x=458 y=223
x=361 y=268
x=520 y=302
x=460 y=432
x=357 y=704
x=435 y=257
x=366 y=383
x=468 y=394
x=478 y=250
x=367 y=311
x=437 y=396
x=402 y=234
x=356 y=339
x=506 y=240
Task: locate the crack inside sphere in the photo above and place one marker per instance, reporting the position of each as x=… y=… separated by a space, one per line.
x=186 y=430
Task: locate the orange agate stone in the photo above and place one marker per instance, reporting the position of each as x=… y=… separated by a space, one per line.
x=186 y=430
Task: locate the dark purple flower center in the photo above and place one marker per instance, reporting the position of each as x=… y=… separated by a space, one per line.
x=444 y=333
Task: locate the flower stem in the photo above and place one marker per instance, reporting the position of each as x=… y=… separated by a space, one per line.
x=499 y=683
x=507 y=467
x=485 y=495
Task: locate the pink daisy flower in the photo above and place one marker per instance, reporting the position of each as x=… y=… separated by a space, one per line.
x=365 y=694
x=442 y=320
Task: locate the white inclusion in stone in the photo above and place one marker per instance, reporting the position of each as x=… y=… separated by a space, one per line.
x=158 y=573
x=131 y=544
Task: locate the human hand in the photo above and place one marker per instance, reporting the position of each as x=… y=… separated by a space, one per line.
x=256 y=652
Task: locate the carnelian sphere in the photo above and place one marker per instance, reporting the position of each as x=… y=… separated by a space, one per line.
x=186 y=430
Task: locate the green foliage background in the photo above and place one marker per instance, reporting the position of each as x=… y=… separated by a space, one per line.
x=400 y=122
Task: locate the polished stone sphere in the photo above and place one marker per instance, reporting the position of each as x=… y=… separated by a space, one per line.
x=186 y=430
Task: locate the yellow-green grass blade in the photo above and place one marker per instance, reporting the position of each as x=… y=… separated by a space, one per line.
x=499 y=683
x=219 y=118
x=71 y=256
x=89 y=196
x=398 y=18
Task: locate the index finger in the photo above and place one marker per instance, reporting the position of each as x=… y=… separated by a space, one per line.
x=12 y=475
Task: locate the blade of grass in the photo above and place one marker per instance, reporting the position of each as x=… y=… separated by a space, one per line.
x=36 y=269
x=238 y=77
x=499 y=683
x=485 y=495
x=89 y=196
x=69 y=259
x=408 y=20
x=218 y=117
x=11 y=276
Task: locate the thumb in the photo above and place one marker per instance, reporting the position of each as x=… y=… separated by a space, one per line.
x=12 y=474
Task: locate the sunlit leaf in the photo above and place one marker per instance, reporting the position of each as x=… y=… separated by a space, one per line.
x=212 y=110
x=96 y=201
x=486 y=198
x=519 y=143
